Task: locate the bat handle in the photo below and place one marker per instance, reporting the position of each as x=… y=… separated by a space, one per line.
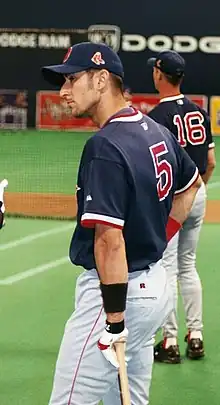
x=120 y=353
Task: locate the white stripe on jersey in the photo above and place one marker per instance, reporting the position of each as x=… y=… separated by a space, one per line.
x=128 y=118
x=102 y=218
x=190 y=183
x=173 y=98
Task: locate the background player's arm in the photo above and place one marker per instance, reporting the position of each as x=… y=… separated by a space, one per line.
x=111 y=260
x=187 y=185
x=211 y=163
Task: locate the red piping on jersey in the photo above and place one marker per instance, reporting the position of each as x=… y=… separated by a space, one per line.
x=81 y=356
x=90 y=223
x=135 y=111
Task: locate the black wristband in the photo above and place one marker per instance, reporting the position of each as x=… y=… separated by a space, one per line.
x=114 y=297
x=116 y=327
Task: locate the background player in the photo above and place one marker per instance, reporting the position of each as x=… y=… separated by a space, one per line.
x=3 y=185
x=124 y=200
x=191 y=126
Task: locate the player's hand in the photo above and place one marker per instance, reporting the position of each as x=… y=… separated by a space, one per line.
x=3 y=184
x=107 y=341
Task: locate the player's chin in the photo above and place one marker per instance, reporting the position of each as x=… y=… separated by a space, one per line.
x=81 y=114
x=77 y=112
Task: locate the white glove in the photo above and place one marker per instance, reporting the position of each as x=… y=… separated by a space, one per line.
x=106 y=344
x=3 y=185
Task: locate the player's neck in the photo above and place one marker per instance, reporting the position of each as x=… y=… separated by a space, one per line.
x=169 y=92
x=108 y=108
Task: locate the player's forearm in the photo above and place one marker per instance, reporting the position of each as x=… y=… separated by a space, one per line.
x=208 y=174
x=111 y=263
x=182 y=203
x=211 y=163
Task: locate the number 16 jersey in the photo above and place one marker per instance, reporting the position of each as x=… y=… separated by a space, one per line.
x=189 y=123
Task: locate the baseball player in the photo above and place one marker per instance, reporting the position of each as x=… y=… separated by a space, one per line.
x=3 y=185
x=128 y=175
x=191 y=126
x=128 y=95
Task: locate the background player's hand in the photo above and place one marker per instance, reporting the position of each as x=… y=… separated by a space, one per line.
x=106 y=344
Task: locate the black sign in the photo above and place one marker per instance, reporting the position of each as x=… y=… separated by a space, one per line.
x=23 y=51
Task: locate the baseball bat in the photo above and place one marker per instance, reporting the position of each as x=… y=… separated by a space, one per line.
x=120 y=353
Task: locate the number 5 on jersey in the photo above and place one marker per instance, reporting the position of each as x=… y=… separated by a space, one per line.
x=163 y=169
x=190 y=128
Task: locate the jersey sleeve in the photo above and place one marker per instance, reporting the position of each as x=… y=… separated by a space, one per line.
x=211 y=143
x=188 y=173
x=105 y=194
x=158 y=115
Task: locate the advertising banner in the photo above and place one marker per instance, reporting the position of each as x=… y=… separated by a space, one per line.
x=53 y=113
x=215 y=114
x=146 y=102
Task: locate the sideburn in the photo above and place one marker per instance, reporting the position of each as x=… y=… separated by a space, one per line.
x=90 y=81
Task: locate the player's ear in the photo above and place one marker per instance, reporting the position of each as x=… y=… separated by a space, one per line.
x=161 y=75
x=103 y=78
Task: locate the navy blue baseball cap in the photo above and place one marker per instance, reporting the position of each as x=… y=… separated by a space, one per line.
x=84 y=56
x=169 y=62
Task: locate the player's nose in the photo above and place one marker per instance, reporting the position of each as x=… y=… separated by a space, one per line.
x=64 y=91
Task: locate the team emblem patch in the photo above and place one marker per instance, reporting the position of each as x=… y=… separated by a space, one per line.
x=158 y=63
x=97 y=59
x=66 y=57
x=105 y=34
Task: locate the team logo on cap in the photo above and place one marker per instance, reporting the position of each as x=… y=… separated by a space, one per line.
x=97 y=59
x=66 y=57
x=158 y=63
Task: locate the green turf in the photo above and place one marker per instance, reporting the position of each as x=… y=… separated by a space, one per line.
x=33 y=311
x=33 y=314
x=38 y=161
x=214 y=184
x=196 y=383
x=47 y=162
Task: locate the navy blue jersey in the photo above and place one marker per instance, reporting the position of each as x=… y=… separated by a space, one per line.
x=189 y=123
x=128 y=174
